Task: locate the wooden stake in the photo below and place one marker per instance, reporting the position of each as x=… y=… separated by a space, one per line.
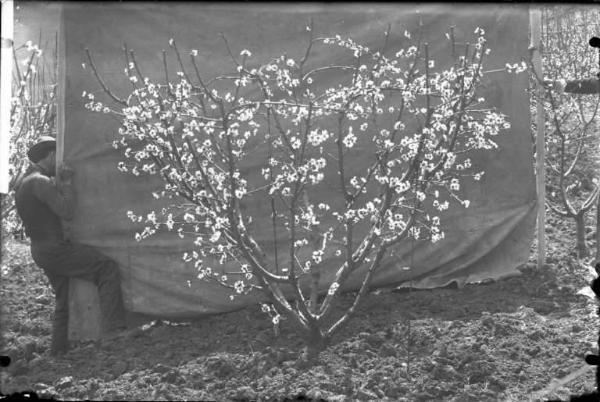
x=535 y=44
x=598 y=229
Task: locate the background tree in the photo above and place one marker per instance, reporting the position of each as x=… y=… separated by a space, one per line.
x=32 y=114
x=418 y=124
x=572 y=139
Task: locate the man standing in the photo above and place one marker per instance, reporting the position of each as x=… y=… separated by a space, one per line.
x=42 y=203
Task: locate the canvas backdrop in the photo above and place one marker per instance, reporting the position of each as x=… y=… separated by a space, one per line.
x=488 y=240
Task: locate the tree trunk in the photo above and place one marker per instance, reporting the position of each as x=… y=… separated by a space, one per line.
x=582 y=251
x=315 y=344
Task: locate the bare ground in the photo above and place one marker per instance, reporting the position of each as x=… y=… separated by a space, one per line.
x=506 y=340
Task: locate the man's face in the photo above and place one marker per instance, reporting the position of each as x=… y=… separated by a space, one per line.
x=49 y=163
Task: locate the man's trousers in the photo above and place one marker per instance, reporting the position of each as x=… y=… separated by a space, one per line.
x=62 y=260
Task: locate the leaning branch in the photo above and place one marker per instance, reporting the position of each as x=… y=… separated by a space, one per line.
x=105 y=88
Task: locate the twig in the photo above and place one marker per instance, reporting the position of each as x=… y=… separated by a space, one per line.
x=167 y=81
x=101 y=81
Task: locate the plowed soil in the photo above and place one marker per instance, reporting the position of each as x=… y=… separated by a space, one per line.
x=507 y=340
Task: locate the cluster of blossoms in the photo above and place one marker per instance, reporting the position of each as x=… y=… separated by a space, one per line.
x=92 y=104
x=516 y=67
x=417 y=126
x=34 y=49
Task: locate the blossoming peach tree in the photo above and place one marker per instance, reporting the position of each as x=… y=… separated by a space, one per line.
x=416 y=124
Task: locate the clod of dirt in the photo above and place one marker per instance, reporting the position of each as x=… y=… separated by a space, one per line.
x=577 y=328
x=479 y=371
x=365 y=394
x=43 y=390
x=497 y=384
x=171 y=377
x=337 y=398
x=444 y=373
x=43 y=299
x=315 y=393
x=424 y=396
x=220 y=366
x=40 y=386
x=544 y=306
x=63 y=383
x=161 y=369
x=245 y=393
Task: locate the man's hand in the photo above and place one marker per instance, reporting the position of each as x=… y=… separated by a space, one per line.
x=65 y=174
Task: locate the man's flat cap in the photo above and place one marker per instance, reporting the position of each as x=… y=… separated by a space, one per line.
x=41 y=148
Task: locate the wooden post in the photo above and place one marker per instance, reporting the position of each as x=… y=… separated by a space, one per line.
x=84 y=306
x=6 y=91
x=84 y=311
x=535 y=45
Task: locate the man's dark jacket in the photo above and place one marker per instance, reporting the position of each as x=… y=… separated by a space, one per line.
x=41 y=206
